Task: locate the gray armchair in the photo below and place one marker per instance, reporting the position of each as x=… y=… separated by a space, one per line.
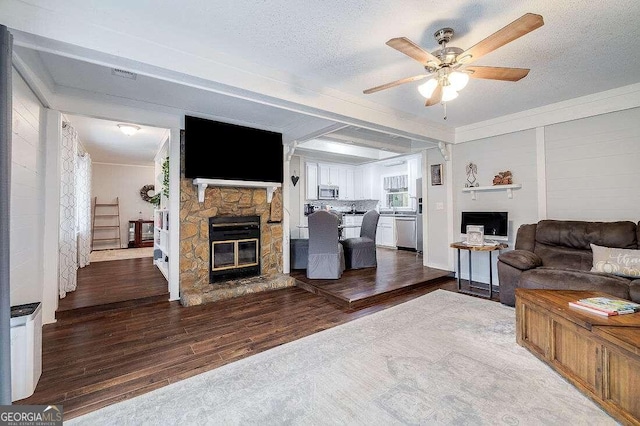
x=360 y=252
x=326 y=254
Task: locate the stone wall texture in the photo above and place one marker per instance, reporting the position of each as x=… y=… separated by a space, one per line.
x=194 y=229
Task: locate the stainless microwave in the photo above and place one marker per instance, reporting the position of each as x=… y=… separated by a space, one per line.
x=328 y=192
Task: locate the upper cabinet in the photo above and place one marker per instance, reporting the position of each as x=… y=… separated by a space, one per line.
x=331 y=174
x=363 y=183
x=349 y=185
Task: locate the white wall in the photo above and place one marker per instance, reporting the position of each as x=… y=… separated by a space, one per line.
x=515 y=152
x=123 y=181
x=436 y=207
x=593 y=168
x=27 y=194
x=588 y=171
x=296 y=195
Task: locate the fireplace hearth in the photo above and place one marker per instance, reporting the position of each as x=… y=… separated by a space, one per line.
x=234 y=243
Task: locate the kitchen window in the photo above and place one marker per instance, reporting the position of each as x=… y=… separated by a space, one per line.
x=396 y=191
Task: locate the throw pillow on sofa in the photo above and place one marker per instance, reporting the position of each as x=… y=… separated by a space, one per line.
x=623 y=262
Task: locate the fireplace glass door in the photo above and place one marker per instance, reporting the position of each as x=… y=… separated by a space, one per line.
x=234 y=254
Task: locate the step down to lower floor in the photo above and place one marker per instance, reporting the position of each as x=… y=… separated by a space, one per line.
x=368 y=293
x=89 y=312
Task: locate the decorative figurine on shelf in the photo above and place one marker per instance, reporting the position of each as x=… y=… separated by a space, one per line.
x=503 y=178
x=472 y=170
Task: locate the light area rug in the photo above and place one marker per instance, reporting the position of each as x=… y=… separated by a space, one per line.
x=441 y=359
x=120 y=254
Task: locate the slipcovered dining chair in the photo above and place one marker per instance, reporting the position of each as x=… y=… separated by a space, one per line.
x=360 y=252
x=326 y=254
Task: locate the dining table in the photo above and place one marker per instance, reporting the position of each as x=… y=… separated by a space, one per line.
x=341 y=227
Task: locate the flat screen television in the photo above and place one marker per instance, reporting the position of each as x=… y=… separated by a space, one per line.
x=217 y=150
x=496 y=224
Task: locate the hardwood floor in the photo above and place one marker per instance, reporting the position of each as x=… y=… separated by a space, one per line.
x=91 y=361
x=116 y=283
x=397 y=271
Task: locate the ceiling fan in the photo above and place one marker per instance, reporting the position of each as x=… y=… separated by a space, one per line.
x=449 y=65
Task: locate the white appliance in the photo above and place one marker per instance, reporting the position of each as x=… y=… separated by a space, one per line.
x=26 y=349
x=419 y=245
x=328 y=192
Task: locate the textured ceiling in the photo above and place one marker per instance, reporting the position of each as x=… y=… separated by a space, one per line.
x=584 y=47
x=338 y=47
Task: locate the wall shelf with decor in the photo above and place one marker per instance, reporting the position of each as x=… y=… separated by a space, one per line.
x=161 y=241
x=508 y=188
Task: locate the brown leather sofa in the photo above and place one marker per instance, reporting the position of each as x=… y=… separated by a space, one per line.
x=556 y=254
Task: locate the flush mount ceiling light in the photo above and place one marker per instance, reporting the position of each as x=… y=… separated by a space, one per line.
x=128 y=129
x=449 y=66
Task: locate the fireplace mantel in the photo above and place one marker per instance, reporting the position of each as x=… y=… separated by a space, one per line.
x=202 y=185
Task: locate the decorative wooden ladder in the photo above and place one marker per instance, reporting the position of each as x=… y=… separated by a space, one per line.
x=107 y=214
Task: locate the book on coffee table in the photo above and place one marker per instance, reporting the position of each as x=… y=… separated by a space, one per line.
x=606 y=306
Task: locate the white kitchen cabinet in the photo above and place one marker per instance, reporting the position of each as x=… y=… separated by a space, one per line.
x=312 y=181
x=358 y=184
x=386 y=231
x=363 y=183
x=334 y=175
x=351 y=220
x=349 y=186
x=324 y=175
x=342 y=183
x=337 y=175
x=304 y=232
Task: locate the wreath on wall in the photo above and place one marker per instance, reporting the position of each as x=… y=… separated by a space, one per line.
x=153 y=199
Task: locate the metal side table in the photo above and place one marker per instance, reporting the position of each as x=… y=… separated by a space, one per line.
x=461 y=245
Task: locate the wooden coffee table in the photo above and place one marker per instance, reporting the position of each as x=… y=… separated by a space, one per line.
x=597 y=354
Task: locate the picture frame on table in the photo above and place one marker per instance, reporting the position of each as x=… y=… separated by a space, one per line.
x=475 y=235
x=436 y=174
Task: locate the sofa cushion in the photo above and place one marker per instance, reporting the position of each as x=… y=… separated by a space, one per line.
x=564 y=279
x=623 y=262
x=564 y=257
x=567 y=244
x=579 y=235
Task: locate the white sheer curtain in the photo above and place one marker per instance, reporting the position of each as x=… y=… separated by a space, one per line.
x=75 y=209
x=83 y=204
x=68 y=254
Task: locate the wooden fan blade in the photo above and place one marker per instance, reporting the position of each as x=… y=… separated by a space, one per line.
x=497 y=73
x=436 y=97
x=395 y=83
x=521 y=26
x=412 y=50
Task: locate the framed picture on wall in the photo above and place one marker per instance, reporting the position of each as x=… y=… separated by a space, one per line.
x=436 y=174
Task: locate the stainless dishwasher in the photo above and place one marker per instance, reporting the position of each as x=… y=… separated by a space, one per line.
x=406 y=232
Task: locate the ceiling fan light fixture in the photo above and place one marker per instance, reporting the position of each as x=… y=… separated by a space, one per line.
x=448 y=93
x=128 y=129
x=458 y=80
x=427 y=88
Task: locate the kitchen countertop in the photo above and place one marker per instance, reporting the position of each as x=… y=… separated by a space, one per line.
x=398 y=214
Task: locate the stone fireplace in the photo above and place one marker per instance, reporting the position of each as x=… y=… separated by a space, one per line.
x=227 y=205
